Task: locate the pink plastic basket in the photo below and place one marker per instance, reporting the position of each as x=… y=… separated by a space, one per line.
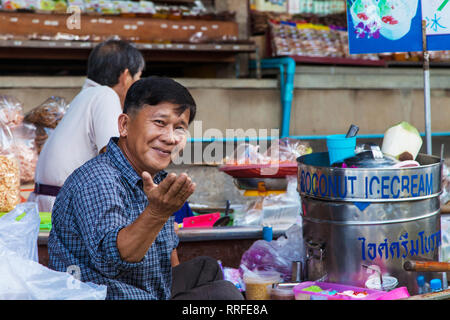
x=340 y=288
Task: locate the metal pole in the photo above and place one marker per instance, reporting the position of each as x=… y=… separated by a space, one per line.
x=426 y=78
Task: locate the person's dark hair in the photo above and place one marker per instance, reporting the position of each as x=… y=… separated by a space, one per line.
x=109 y=59
x=155 y=90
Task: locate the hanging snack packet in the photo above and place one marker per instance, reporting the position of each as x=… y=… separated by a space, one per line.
x=11 y=111
x=9 y=172
x=49 y=113
x=24 y=148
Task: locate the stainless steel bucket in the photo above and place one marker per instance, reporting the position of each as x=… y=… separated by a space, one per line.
x=376 y=217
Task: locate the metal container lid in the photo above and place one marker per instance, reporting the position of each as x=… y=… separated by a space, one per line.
x=316 y=179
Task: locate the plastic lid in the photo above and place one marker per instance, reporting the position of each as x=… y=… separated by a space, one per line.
x=421 y=281
x=436 y=284
x=280 y=291
x=262 y=277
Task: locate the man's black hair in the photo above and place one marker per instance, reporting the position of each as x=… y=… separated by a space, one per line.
x=109 y=59
x=155 y=90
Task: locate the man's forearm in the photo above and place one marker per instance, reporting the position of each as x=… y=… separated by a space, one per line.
x=134 y=240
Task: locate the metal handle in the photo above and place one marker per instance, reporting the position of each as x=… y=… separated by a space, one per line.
x=426 y=266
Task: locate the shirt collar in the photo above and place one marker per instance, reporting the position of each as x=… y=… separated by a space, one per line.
x=123 y=165
x=90 y=83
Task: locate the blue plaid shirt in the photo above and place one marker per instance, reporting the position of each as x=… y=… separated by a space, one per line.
x=97 y=200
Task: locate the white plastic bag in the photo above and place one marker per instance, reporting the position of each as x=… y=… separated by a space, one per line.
x=19 y=235
x=28 y=280
x=21 y=276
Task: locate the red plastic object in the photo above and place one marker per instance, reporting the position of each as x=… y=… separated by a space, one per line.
x=254 y=170
x=203 y=220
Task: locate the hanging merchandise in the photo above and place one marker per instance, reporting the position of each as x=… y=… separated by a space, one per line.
x=9 y=172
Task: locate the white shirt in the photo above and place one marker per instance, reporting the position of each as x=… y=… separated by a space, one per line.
x=87 y=126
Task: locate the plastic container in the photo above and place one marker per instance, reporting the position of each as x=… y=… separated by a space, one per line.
x=389 y=283
x=256 y=284
x=46 y=221
x=311 y=290
x=340 y=147
x=422 y=285
x=436 y=285
x=267 y=233
x=278 y=292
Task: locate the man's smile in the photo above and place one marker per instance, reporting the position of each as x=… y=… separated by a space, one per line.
x=162 y=152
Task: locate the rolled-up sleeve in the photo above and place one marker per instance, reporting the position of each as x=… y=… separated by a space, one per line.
x=100 y=214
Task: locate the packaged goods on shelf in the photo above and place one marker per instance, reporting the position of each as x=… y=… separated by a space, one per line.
x=311 y=40
x=43 y=5
x=21 y=4
x=114 y=7
x=305 y=39
x=273 y=6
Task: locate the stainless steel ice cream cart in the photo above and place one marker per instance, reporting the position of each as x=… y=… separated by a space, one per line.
x=356 y=220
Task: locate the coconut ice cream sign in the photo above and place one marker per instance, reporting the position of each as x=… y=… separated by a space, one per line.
x=396 y=25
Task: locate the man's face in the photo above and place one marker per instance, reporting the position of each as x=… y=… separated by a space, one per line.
x=152 y=134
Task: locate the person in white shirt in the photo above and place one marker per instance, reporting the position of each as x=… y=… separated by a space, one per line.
x=91 y=119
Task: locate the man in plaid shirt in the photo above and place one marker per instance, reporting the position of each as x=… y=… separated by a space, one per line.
x=113 y=217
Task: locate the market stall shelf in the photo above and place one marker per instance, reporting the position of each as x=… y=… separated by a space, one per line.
x=168 y=40
x=151 y=51
x=138 y=29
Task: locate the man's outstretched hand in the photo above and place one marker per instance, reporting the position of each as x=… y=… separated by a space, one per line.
x=169 y=196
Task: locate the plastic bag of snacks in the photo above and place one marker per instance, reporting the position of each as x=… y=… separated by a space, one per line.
x=49 y=113
x=9 y=172
x=11 y=111
x=24 y=148
x=287 y=150
x=246 y=153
